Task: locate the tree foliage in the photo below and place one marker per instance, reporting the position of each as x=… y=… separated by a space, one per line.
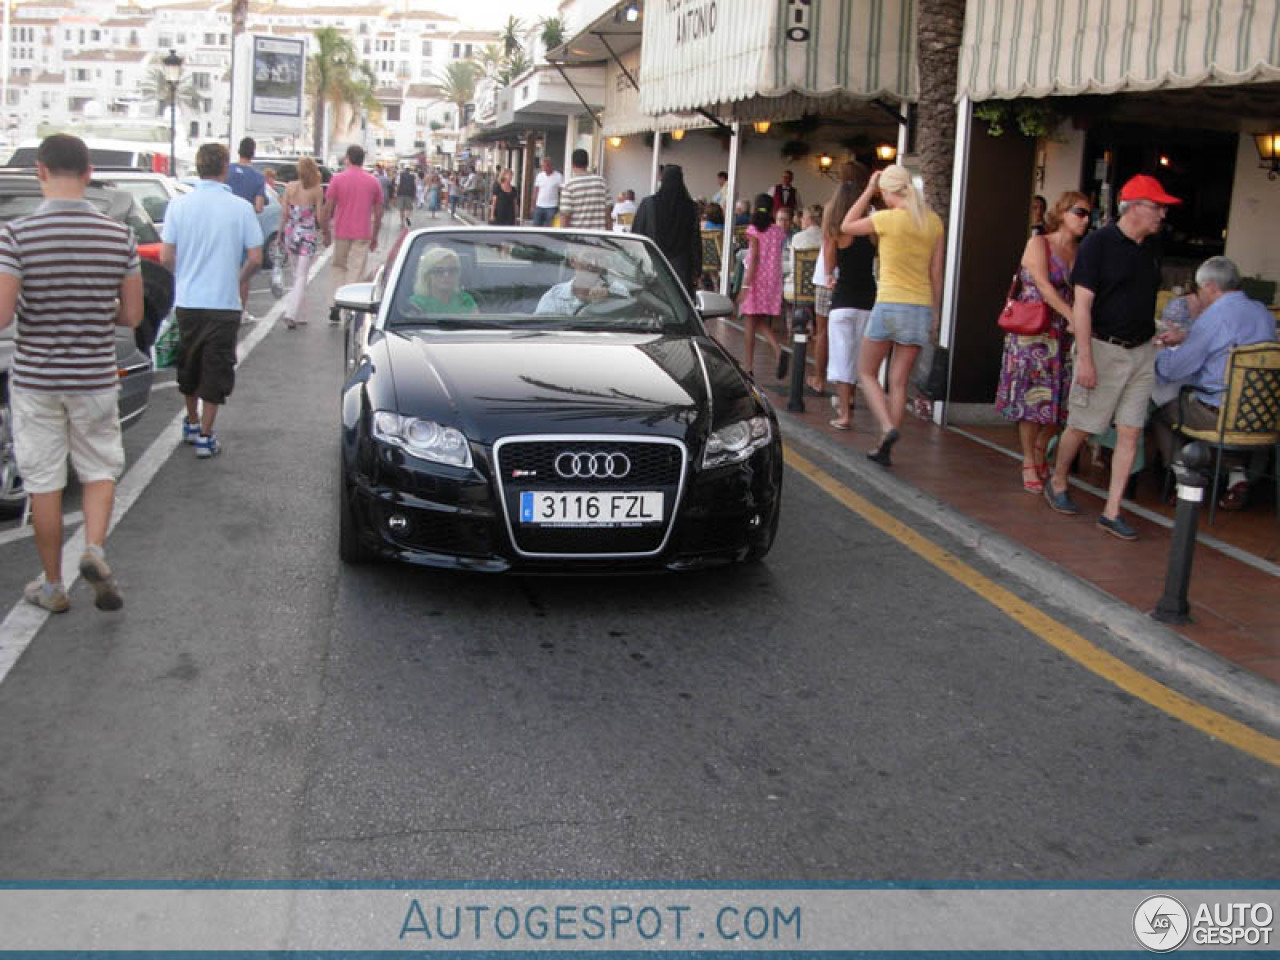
x=337 y=77
x=551 y=32
x=457 y=83
x=155 y=89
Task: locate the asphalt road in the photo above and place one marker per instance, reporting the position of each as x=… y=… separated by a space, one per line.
x=844 y=711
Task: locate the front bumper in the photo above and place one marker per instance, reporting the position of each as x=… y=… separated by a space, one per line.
x=417 y=512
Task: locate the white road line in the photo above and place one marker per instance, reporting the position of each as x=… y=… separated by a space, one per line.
x=22 y=533
x=24 y=621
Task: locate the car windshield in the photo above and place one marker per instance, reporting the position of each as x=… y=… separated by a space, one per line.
x=545 y=281
x=152 y=196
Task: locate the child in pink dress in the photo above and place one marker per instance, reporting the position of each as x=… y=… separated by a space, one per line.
x=761 y=295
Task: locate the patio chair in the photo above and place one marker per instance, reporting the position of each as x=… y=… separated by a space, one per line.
x=712 y=247
x=1249 y=417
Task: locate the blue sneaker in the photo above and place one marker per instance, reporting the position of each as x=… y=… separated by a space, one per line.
x=207 y=447
x=1060 y=502
x=1118 y=527
x=190 y=431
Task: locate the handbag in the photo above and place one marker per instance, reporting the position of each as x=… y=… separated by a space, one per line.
x=1023 y=317
x=277 y=271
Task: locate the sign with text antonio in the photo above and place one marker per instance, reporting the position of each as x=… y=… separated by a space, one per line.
x=700 y=53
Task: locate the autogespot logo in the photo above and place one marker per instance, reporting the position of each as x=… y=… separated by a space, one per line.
x=1161 y=924
x=593 y=466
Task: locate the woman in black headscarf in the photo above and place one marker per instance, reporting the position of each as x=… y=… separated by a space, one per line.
x=670 y=219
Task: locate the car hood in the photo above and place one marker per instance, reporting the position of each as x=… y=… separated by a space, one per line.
x=499 y=383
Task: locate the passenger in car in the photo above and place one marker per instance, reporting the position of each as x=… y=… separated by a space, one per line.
x=437 y=287
x=587 y=285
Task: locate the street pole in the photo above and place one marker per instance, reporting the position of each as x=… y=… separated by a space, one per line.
x=173 y=127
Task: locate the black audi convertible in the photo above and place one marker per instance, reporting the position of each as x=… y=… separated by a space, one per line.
x=532 y=400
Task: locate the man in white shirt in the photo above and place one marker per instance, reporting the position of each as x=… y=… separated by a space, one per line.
x=624 y=211
x=546 y=199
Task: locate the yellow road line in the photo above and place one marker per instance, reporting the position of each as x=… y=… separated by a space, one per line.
x=1052 y=632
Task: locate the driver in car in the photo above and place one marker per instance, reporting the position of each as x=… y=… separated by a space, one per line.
x=437 y=287
x=587 y=286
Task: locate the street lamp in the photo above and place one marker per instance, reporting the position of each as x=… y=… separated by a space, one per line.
x=172 y=74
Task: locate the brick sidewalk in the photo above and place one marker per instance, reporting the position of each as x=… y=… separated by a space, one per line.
x=1235 y=606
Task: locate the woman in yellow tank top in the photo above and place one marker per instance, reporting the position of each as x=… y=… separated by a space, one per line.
x=909 y=297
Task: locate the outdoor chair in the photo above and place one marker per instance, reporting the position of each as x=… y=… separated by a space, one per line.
x=624 y=220
x=1249 y=418
x=802 y=278
x=712 y=247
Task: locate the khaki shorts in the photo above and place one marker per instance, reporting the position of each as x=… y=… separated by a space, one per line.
x=1125 y=380
x=47 y=427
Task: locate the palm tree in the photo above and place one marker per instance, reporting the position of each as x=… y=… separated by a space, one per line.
x=512 y=36
x=489 y=58
x=337 y=77
x=552 y=32
x=938 y=35
x=513 y=66
x=458 y=85
x=155 y=88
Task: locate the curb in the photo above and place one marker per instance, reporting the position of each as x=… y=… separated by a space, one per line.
x=1250 y=692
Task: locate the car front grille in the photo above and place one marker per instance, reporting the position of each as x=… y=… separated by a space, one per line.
x=529 y=463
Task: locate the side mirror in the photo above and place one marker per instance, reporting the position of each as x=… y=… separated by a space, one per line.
x=714 y=304
x=359 y=297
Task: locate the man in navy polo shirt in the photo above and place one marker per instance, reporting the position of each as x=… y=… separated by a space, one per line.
x=213 y=243
x=1116 y=277
x=247 y=183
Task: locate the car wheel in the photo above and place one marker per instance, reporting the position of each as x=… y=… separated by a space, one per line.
x=351 y=548
x=13 y=496
x=762 y=542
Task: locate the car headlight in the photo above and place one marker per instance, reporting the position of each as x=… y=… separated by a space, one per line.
x=736 y=442
x=423 y=438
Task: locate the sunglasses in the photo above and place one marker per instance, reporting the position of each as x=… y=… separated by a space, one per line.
x=1081 y=211
x=444 y=272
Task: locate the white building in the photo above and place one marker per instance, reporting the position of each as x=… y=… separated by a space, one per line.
x=89 y=60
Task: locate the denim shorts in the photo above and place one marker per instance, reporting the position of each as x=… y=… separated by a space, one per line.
x=906 y=323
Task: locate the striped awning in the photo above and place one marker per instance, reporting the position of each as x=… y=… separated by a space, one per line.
x=720 y=53
x=622 y=113
x=1043 y=48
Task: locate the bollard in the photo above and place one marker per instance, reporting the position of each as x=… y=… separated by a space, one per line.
x=1189 y=471
x=800 y=318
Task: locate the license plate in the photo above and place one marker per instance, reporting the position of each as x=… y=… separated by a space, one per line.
x=586 y=509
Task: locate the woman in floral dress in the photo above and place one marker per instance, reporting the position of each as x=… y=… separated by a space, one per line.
x=761 y=298
x=302 y=200
x=1035 y=374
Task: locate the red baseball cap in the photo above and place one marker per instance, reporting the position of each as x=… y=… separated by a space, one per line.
x=1143 y=187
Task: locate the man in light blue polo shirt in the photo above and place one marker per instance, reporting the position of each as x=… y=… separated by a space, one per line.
x=212 y=242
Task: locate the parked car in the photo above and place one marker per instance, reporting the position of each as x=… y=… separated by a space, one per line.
x=104 y=152
x=152 y=190
x=20 y=195
x=286 y=168
x=548 y=400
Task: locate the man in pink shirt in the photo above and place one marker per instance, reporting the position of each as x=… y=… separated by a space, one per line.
x=351 y=218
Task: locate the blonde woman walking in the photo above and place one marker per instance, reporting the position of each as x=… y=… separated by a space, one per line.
x=302 y=200
x=908 y=309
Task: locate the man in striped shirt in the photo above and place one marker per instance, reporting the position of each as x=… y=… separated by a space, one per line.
x=584 y=200
x=71 y=275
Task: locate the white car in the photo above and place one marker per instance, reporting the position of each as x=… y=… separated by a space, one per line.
x=152 y=190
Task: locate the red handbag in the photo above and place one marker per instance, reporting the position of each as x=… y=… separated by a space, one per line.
x=1023 y=317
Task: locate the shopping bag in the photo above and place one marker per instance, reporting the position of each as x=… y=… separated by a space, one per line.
x=277 y=272
x=164 y=353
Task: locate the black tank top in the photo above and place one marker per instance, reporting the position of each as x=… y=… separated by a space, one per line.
x=855 y=286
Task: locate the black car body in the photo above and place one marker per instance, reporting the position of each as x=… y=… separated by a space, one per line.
x=19 y=196
x=576 y=438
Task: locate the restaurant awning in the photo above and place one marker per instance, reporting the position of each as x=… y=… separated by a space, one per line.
x=773 y=59
x=1042 y=48
x=622 y=113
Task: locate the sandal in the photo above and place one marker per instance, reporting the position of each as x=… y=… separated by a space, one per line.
x=839 y=425
x=1032 y=481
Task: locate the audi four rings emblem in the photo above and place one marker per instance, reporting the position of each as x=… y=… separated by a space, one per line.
x=593 y=466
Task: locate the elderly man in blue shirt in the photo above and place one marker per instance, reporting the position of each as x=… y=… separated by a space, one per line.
x=1198 y=357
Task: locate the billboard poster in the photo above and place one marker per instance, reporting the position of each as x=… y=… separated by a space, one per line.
x=277 y=85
